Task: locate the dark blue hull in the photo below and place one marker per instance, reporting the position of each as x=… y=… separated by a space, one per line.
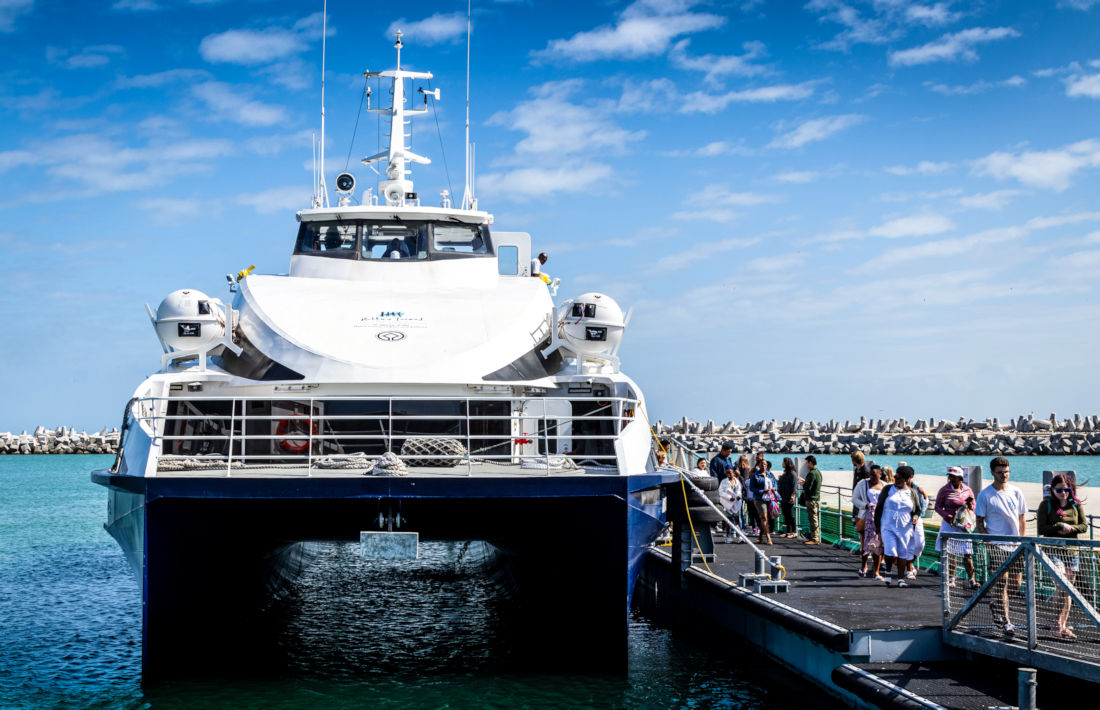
x=210 y=551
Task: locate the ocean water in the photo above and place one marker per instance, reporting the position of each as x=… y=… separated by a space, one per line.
x=70 y=629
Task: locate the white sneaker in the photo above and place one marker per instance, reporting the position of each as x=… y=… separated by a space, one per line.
x=911 y=574
x=729 y=539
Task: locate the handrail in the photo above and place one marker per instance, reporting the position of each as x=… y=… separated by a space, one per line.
x=225 y=435
x=1054 y=579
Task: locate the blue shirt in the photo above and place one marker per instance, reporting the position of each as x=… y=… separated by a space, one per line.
x=719 y=466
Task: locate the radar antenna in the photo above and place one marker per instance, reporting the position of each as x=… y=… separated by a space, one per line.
x=397 y=188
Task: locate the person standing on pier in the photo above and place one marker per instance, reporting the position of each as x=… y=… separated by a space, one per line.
x=762 y=485
x=788 y=486
x=861 y=468
x=955 y=505
x=864 y=502
x=1001 y=510
x=1061 y=515
x=721 y=463
x=897 y=515
x=729 y=493
x=811 y=498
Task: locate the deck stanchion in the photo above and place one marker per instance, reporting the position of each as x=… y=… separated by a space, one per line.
x=1029 y=589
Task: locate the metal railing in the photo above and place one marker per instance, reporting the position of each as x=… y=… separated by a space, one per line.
x=1031 y=600
x=304 y=434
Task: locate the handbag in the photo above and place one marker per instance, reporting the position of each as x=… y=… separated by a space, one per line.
x=964 y=519
x=861 y=523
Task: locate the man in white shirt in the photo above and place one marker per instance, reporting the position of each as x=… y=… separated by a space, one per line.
x=1002 y=510
x=537 y=262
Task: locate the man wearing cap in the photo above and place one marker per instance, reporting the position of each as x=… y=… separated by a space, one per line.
x=956 y=496
x=1001 y=510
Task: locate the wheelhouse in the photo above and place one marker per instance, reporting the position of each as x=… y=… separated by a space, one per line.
x=394 y=239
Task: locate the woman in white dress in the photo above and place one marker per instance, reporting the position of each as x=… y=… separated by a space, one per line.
x=896 y=519
x=729 y=493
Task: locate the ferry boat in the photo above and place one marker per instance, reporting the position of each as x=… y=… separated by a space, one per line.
x=408 y=379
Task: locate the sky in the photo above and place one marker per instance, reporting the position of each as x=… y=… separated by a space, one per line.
x=818 y=209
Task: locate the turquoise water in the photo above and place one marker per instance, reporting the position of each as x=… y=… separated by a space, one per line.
x=70 y=630
x=1024 y=468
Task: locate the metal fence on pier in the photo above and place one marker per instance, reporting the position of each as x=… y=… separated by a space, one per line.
x=1032 y=600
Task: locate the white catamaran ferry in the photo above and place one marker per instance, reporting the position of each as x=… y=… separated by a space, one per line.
x=407 y=380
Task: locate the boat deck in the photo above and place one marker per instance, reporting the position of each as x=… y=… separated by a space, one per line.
x=824 y=582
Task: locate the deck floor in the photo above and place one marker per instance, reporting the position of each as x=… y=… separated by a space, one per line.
x=824 y=582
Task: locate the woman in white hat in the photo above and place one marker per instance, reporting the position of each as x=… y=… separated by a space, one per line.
x=955 y=505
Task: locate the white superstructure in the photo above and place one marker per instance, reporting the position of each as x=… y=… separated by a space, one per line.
x=390 y=300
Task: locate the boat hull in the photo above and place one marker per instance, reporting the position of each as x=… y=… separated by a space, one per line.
x=212 y=551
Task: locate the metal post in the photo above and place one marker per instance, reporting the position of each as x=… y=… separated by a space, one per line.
x=761 y=563
x=777 y=562
x=309 y=451
x=839 y=522
x=232 y=426
x=1029 y=588
x=469 y=443
x=1025 y=688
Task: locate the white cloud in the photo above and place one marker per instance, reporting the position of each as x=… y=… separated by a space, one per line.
x=932 y=15
x=277 y=199
x=1049 y=169
x=554 y=125
x=858 y=29
x=924 y=167
x=722 y=195
x=230 y=104
x=87 y=58
x=700 y=252
x=708 y=214
x=715 y=66
x=952 y=47
x=816 y=129
x=436 y=29
x=920 y=225
x=954 y=247
x=975 y=88
x=995 y=200
x=136 y=5
x=163 y=78
x=775 y=264
x=169 y=208
x=99 y=164
x=1084 y=86
x=643 y=29
x=10 y=10
x=259 y=46
x=797 y=176
x=523 y=184
x=709 y=102
x=647 y=96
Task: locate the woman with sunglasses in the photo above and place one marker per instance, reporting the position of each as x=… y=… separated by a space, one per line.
x=1061 y=515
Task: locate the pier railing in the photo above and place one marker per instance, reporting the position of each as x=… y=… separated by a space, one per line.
x=447 y=434
x=1032 y=600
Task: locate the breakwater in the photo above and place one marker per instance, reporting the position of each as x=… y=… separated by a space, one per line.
x=62 y=440
x=1025 y=435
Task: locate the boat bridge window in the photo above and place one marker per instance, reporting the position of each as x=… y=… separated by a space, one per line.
x=394 y=240
x=328 y=238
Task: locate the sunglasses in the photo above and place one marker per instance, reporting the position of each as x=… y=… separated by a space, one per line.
x=1063 y=490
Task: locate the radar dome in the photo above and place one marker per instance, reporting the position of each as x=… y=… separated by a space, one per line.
x=189 y=320
x=592 y=324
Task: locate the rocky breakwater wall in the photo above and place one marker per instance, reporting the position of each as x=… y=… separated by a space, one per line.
x=60 y=441
x=1022 y=436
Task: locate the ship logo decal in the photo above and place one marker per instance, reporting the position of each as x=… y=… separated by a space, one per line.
x=390 y=336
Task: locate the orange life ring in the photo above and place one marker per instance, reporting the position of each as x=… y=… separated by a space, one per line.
x=291 y=426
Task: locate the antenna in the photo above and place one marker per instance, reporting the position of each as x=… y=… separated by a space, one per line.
x=320 y=197
x=467 y=193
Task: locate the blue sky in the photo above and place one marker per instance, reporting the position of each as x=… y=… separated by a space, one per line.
x=817 y=209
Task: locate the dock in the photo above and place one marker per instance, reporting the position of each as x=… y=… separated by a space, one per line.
x=866 y=644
